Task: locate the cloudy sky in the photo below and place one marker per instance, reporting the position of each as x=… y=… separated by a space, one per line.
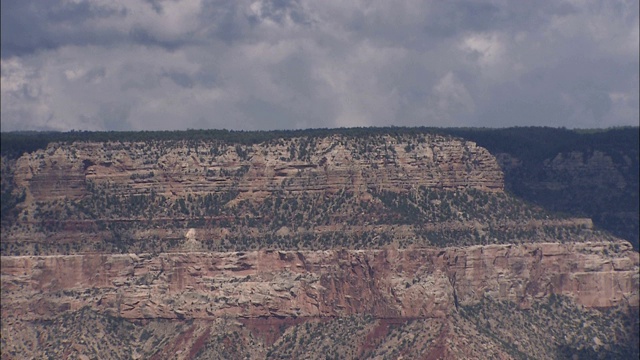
x=288 y=64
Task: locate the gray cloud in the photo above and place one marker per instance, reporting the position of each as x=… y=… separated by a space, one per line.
x=33 y=26
x=278 y=64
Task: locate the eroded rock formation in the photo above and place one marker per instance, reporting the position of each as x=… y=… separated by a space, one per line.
x=300 y=164
x=408 y=283
x=346 y=237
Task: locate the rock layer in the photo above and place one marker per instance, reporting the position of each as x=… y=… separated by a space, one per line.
x=410 y=283
x=300 y=164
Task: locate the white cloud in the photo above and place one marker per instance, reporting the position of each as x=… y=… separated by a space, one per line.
x=488 y=48
x=24 y=97
x=450 y=99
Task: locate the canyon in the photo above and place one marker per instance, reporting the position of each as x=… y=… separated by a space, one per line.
x=392 y=283
x=407 y=244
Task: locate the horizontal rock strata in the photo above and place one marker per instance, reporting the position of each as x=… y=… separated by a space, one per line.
x=299 y=164
x=388 y=283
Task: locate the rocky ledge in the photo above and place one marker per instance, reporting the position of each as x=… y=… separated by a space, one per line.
x=386 y=283
x=176 y=169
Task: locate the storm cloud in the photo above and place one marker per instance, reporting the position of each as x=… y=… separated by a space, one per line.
x=287 y=64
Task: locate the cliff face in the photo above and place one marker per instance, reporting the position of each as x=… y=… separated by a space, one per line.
x=585 y=173
x=409 y=283
x=309 y=193
x=310 y=247
x=301 y=165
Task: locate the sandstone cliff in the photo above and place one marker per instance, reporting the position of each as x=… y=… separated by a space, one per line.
x=302 y=165
x=301 y=193
x=424 y=292
x=410 y=283
x=379 y=246
x=591 y=173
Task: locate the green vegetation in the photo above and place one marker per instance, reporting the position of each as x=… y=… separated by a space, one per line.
x=14 y=144
x=552 y=328
x=551 y=176
x=601 y=180
x=9 y=195
x=148 y=222
x=556 y=327
x=119 y=218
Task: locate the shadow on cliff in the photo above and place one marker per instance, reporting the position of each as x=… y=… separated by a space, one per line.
x=584 y=173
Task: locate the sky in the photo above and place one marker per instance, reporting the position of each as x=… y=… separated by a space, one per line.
x=295 y=64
